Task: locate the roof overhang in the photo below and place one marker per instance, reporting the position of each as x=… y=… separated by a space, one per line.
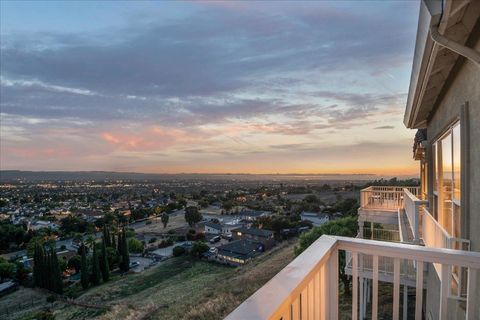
x=432 y=63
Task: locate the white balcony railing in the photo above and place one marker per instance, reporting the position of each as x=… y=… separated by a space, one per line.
x=308 y=287
x=435 y=236
x=381 y=234
x=384 y=197
x=413 y=207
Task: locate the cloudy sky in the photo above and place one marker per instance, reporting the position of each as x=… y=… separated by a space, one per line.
x=207 y=86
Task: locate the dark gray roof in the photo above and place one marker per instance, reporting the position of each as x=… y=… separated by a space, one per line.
x=213 y=225
x=255 y=232
x=239 y=248
x=6 y=285
x=251 y=213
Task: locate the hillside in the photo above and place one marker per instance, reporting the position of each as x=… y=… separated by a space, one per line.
x=180 y=288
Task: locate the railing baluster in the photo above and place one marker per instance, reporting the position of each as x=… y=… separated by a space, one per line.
x=396 y=288
x=304 y=304
x=333 y=284
x=444 y=289
x=310 y=301
x=472 y=300
x=375 y=289
x=317 y=297
x=419 y=291
x=296 y=309
x=354 y=286
x=324 y=293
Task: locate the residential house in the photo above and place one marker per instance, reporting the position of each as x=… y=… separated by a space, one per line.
x=221 y=228
x=39 y=224
x=317 y=219
x=7 y=287
x=213 y=228
x=436 y=259
x=252 y=215
x=265 y=237
x=238 y=252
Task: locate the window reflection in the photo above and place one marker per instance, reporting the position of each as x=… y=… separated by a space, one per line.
x=456 y=162
x=446 y=182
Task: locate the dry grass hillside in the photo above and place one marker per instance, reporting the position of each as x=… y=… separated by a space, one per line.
x=180 y=288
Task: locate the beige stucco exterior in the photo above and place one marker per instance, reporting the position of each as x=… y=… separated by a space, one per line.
x=460 y=99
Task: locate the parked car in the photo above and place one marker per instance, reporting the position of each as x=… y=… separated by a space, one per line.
x=215 y=239
x=134 y=264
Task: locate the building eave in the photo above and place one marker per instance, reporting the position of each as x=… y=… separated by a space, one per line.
x=432 y=64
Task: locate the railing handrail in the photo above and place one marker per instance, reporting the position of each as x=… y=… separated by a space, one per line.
x=468 y=259
x=384 y=197
x=411 y=205
x=386 y=188
x=278 y=295
x=427 y=214
x=263 y=304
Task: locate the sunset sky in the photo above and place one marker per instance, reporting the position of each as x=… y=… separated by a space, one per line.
x=207 y=86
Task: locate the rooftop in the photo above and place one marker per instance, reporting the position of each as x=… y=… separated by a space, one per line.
x=255 y=232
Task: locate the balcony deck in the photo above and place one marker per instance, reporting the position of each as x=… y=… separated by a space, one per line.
x=308 y=287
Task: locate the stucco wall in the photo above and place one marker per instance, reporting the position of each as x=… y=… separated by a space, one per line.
x=465 y=88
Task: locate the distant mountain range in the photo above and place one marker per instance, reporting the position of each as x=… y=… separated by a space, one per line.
x=16 y=175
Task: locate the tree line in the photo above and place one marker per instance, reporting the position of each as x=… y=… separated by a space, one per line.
x=110 y=252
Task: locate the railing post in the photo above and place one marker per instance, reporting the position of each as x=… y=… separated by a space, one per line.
x=396 y=288
x=444 y=289
x=416 y=236
x=471 y=301
x=354 y=286
x=419 y=291
x=375 y=289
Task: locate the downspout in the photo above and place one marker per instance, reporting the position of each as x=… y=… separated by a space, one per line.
x=462 y=50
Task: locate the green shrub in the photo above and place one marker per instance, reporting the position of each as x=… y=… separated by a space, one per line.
x=346 y=226
x=178 y=251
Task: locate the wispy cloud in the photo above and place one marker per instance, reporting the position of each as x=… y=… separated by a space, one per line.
x=219 y=78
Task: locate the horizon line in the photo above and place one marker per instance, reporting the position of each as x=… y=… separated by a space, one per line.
x=204 y=173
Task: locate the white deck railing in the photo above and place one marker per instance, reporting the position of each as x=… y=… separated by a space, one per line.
x=381 y=234
x=435 y=236
x=384 y=197
x=413 y=207
x=308 y=287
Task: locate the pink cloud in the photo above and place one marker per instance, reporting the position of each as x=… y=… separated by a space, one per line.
x=153 y=138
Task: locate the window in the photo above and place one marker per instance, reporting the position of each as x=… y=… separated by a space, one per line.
x=447 y=180
x=445 y=214
x=424 y=179
x=456 y=163
x=435 y=166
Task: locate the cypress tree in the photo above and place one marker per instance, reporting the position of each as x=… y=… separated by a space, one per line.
x=38 y=265
x=104 y=262
x=106 y=236
x=125 y=256
x=84 y=268
x=36 y=274
x=123 y=251
x=48 y=271
x=43 y=268
x=95 y=267
x=57 y=283
x=120 y=251
x=113 y=244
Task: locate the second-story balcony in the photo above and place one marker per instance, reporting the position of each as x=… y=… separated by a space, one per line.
x=391 y=206
x=385 y=198
x=308 y=288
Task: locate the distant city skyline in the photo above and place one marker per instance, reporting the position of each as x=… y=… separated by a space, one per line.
x=207 y=86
